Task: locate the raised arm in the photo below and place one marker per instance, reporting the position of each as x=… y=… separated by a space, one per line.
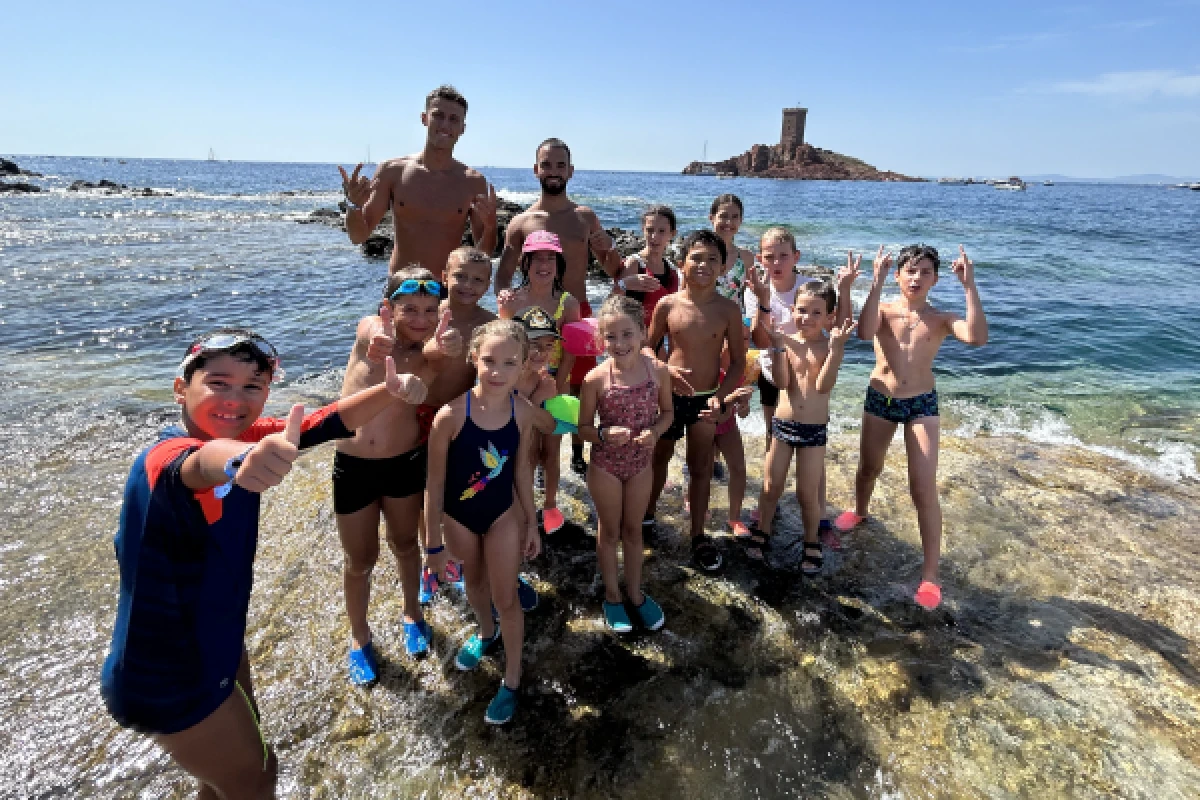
x=363 y=406
x=758 y=307
x=845 y=279
x=367 y=201
x=974 y=329
x=827 y=377
x=483 y=217
x=264 y=465
x=603 y=247
x=514 y=238
x=868 y=318
x=781 y=367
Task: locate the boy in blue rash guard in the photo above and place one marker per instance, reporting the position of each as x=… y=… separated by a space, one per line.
x=177 y=668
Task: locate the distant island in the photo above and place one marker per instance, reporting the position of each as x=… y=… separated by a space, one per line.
x=792 y=158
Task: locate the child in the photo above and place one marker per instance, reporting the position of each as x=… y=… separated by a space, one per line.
x=177 y=668
x=726 y=215
x=648 y=275
x=698 y=323
x=537 y=386
x=479 y=462
x=632 y=392
x=542 y=270
x=805 y=366
x=908 y=333
x=381 y=470
x=770 y=303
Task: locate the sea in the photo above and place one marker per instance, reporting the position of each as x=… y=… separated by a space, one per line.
x=1090 y=290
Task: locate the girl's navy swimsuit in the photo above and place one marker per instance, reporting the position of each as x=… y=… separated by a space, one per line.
x=480 y=472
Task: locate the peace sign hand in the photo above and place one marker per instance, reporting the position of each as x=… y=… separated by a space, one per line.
x=848 y=274
x=383 y=341
x=757 y=284
x=356 y=188
x=483 y=208
x=964 y=268
x=883 y=263
x=839 y=335
x=449 y=340
x=773 y=331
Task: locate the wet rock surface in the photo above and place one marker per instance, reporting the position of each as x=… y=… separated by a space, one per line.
x=8 y=167
x=1063 y=662
x=19 y=187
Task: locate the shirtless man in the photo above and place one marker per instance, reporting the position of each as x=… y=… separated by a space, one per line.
x=578 y=230
x=430 y=194
x=908 y=333
x=698 y=323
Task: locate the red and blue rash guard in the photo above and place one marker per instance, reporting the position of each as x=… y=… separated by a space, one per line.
x=187 y=562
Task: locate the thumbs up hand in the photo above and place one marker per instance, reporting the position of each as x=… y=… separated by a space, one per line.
x=383 y=341
x=449 y=340
x=406 y=387
x=269 y=461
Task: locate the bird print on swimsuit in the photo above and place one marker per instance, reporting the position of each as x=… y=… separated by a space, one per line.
x=494 y=461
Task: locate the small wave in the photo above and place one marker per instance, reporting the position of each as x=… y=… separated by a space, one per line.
x=1171 y=460
x=513 y=196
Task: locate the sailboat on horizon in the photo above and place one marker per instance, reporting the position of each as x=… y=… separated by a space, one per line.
x=211 y=155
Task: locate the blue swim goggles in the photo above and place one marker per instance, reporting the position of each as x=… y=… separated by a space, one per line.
x=414 y=285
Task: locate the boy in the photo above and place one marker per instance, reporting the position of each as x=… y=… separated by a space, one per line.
x=698 y=323
x=908 y=333
x=381 y=470
x=770 y=303
x=805 y=367
x=177 y=668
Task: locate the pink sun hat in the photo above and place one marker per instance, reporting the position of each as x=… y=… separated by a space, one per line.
x=541 y=240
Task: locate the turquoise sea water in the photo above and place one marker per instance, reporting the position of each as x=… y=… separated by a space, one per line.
x=1090 y=292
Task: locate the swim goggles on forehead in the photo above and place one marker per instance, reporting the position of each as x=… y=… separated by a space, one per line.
x=222 y=342
x=414 y=285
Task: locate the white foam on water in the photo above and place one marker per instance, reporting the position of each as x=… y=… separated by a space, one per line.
x=1174 y=462
x=513 y=196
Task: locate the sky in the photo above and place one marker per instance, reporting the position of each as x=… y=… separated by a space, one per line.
x=1083 y=89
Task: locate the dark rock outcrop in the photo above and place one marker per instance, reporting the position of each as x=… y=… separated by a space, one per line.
x=110 y=186
x=10 y=168
x=797 y=162
x=18 y=188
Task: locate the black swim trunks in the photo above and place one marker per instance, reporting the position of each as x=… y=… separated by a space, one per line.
x=799 y=434
x=358 y=482
x=903 y=410
x=687 y=414
x=768 y=393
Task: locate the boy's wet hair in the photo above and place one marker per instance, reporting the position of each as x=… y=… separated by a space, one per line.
x=242 y=352
x=915 y=252
x=703 y=237
x=505 y=329
x=467 y=254
x=412 y=272
x=619 y=305
x=553 y=142
x=822 y=289
x=665 y=212
x=446 y=92
x=560 y=270
x=779 y=234
x=727 y=199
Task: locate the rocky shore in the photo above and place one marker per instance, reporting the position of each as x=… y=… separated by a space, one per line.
x=1063 y=662
x=797 y=162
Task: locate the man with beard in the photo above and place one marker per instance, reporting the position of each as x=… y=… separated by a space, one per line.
x=430 y=194
x=578 y=230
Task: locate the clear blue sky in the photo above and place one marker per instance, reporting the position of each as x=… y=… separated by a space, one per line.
x=1086 y=89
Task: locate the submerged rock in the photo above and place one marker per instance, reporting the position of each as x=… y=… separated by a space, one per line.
x=19 y=188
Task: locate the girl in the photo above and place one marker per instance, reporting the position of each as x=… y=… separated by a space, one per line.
x=479 y=460
x=648 y=275
x=537 y=386
x=726 y=214
x=632 y=393
x=542 y=270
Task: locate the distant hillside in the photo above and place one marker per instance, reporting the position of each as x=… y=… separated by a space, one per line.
x=799 y=162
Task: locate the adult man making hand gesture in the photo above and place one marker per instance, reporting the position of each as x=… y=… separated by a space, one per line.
x=431 y=195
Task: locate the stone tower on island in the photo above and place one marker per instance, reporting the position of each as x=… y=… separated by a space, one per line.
x=793 y=128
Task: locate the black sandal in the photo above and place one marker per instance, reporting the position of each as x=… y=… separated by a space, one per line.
x=754 y=544
x=705 y=554
x=810 y=565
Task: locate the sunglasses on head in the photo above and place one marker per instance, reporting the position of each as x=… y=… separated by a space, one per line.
x=414 y=285
x=224 y=342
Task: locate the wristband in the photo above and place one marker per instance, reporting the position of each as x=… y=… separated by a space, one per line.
x=433 y=551
x=764 y=309
x=231 y=470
